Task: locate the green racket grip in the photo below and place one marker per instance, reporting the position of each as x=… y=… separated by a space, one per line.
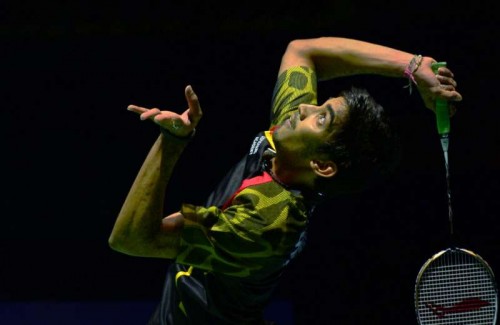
x=442 y=111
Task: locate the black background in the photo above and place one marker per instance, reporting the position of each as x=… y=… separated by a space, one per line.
x=71 y=149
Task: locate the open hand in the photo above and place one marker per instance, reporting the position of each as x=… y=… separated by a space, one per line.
x=180 y=125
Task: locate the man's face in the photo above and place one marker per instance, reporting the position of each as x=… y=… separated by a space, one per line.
x=310 y=126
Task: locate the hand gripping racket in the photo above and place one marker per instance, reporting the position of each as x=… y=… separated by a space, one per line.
x=455 y=286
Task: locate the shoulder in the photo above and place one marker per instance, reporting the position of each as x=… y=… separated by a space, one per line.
x=294 y=86
x=269 y=203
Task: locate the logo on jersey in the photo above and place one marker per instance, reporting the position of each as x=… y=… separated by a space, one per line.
x=256 y=144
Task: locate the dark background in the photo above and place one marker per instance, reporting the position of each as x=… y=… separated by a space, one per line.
x=71 y=149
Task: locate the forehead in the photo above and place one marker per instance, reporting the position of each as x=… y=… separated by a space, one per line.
x=336 y=102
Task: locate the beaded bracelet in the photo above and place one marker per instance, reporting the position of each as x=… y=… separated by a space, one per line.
x=410 y=70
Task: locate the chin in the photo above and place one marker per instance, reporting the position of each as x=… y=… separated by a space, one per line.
x=278 y=134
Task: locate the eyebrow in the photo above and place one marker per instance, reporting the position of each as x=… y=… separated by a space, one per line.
x=332 y=116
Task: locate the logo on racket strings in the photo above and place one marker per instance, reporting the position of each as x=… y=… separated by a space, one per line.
x=466 y=305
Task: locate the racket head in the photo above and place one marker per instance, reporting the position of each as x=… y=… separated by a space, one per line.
x=456 y=286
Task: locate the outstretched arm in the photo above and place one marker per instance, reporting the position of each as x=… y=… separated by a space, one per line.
x=333 y=57
x=140 y=228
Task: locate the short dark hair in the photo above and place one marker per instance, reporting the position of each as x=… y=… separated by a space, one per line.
x=365 y=150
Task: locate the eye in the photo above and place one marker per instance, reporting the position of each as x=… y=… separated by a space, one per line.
x=321 y=119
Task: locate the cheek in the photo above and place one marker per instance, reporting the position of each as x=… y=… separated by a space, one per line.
x=293 y=142
x=283 y=139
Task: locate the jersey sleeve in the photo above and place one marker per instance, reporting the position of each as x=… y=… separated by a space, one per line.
x=256 y=232
x=297 y=85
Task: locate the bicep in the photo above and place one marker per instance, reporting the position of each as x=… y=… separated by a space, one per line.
x=161 y=243
x=165 y=244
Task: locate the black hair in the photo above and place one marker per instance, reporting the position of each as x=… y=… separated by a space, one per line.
x=365 y=150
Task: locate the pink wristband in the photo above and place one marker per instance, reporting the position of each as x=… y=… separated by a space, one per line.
x=410 y=70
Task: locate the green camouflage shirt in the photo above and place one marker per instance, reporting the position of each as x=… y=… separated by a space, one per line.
x=260 y=228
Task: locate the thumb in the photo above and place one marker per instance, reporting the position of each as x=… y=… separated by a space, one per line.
x=194 y=112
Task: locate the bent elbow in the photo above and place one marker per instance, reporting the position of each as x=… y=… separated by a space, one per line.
x=295 y=46
x=119 y=245
x=112 y=242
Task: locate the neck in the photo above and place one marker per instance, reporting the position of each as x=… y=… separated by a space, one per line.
x=289 y=176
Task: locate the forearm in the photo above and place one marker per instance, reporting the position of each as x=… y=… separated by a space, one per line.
x=138 y=228
x=333 y=57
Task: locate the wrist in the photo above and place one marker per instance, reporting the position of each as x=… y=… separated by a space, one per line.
x=167 y=134
x=410 y=70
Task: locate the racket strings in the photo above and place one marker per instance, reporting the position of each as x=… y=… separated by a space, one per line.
x=456 y=288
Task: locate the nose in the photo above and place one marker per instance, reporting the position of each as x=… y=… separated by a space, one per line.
x=305 y=110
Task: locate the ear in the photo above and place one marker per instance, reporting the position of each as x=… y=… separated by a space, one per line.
x=326 y=168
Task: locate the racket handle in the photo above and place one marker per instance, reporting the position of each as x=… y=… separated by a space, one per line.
x=442 y=111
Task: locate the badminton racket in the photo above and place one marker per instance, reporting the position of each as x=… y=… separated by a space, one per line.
x=454 y=286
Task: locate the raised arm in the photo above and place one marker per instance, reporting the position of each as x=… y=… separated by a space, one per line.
x=141 y=229
x=333 y=57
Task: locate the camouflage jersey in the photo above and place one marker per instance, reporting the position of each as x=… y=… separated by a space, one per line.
x=232 y=256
